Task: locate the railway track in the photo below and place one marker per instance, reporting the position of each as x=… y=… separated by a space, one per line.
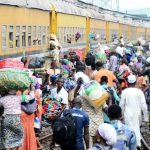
x=45 y=138
x=145 y=133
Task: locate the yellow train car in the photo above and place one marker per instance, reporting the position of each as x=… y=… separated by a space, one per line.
x=125 y=31
x=23 y=30
x=113 y=31
x=147 y=33
x=140 y=32
x=26 y=27
x=97 y=25
x=133 y=33
x=69 y=20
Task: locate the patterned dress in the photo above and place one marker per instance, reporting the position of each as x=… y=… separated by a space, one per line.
x=11 y=131
x=96 y=117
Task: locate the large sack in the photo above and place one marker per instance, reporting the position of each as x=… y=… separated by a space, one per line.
x=94 y=93
x=35 y=62
x=10 y=63
x=100 y=57
x=12 y=79
x=53 y=42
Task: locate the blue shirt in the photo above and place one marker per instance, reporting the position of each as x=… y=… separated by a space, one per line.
x=100 y=147
x=81 y=120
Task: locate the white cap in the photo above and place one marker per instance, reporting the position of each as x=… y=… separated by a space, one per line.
x=131 y=78
x=108 y=133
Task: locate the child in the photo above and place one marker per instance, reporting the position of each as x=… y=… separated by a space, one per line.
x=125 y=136
x=105 y=137
x=140 y=83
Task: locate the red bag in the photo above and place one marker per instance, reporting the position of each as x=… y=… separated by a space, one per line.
x=10 y=63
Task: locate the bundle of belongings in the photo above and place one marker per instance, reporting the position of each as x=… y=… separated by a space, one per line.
x=52 y=107
x=35 y=62
x=94 y=93
x=66 y=69
x=54 y=51
x=12 y=75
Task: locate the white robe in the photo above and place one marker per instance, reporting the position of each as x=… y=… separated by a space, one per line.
x=133 y=103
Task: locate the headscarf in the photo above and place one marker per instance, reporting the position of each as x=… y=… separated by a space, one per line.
x=148 y=60
x=108 y=133
x=66 y=61
x=54 y=78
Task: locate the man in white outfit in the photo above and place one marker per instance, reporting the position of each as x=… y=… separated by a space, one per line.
x=133 y=103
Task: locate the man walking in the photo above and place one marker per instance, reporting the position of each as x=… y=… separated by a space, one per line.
x=82 y=124
x=133 y=103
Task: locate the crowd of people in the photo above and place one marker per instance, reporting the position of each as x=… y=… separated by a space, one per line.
x=124 y=74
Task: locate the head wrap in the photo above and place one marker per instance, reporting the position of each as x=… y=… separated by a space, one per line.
x=66 y=61
x=108 y=133
x=148 y=60
x=53 y=78
x=131 y=78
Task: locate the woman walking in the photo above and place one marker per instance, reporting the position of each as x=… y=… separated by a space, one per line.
x=11 y=129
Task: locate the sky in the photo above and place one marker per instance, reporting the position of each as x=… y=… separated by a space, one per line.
x=134 y=4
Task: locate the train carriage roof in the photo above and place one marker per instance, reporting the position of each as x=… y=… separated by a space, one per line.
x=68 y=8
x=79 y=10
x=37 y=4
x=94 y=14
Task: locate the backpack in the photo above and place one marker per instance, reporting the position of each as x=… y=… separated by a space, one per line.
x=64 y=129
x=1 y=110
x=122 y=140
x=99 y=147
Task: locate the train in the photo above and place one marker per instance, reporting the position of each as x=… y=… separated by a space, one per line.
x=25 y=26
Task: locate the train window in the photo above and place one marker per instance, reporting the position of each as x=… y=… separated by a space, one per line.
x=65 y=38
x=17 y=36
x=24 y=36
x=11 y=37
x=34 y=36
x=73 y=35
x=39 y=35
x=44 y=36
x=29 y=36
x=68 y=37
x=58 y=34
x=82 y=34
x=48 y=34
x=4 y=37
